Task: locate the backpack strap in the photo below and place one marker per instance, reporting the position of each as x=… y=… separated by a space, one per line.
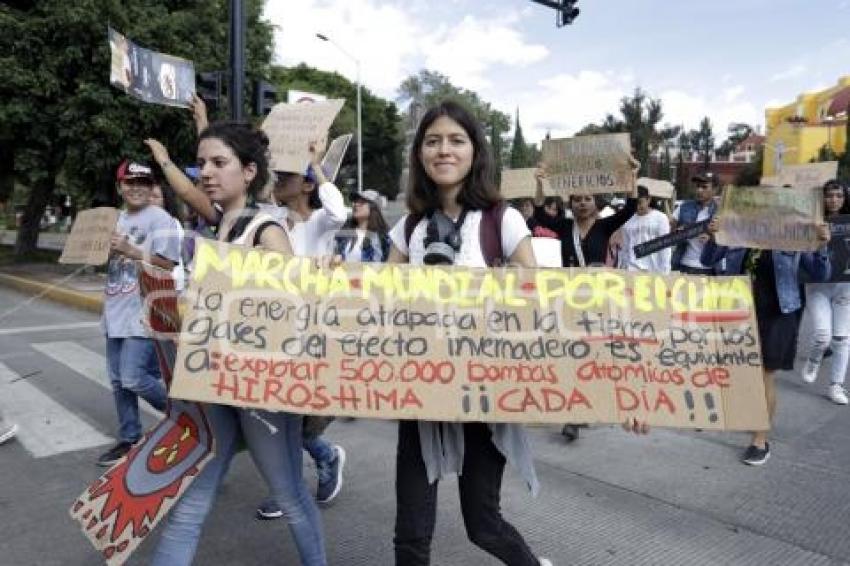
x=490 y=234
x=409 y=226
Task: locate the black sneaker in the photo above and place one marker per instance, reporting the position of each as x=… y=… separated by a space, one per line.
x=329 y=488
x=114 y=454
x=269 y=510
x=755 y=456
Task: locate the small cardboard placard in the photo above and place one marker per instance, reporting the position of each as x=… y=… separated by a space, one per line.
x=770 y=218
x=803 y=176
x=657 y=188
x=589 y=164
x=149 y=75
x=334 y=156
x=88 y=242
x=291 y=128
x=521 y=183
x=467 y=344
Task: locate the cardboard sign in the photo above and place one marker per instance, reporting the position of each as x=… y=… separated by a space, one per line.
x=589 y=164
x=334 y=156
x=770 y=218
x=148 y=75
x=88 y=242
x=803 y=176
x=521 y=183
x=668 y=240
x=657 y=188
x=291 y=128
x=302 y=96
x=465 y=344
x=839 y=247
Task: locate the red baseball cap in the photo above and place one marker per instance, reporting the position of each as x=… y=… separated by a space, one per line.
x=130 y=170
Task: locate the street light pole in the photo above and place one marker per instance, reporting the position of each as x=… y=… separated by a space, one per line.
x=237 y=58
x=359 y=110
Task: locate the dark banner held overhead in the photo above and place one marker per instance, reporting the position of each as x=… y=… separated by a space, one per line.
x=149 y=75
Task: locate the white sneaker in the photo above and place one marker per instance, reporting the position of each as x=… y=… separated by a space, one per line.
x=7 y=433
x=837 y=394
x=545 y=561
x=810 y=371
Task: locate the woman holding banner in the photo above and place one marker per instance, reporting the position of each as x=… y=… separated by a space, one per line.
x=234 y=168
x=364 y=236
x=776 y=292
x=451 y=194
x=829 y=306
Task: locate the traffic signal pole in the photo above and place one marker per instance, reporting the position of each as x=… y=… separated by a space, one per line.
x=237 y=59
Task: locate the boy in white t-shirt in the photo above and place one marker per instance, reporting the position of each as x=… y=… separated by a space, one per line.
x=144 y=232
x=646 y=224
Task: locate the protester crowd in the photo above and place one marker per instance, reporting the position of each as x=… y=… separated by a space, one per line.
x=233 y=196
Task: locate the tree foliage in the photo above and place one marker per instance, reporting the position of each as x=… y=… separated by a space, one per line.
x=736 y=133
x=428 y=88
x=522 y=154
x=382 y=141
x=58 y=112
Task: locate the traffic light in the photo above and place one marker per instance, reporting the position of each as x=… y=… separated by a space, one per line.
x=265 y=96
x=208 y=87
x=566 y=13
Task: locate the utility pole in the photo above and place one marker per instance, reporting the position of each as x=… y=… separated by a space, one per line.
x=237 y=59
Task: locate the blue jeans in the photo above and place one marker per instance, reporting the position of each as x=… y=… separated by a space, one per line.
x=274 y=442
x=133 y=372
x=322 y=453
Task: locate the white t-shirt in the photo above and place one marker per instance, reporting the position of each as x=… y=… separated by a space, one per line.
x=693 y=253
x=640 y=229
x=514 y=229
x=315 y=236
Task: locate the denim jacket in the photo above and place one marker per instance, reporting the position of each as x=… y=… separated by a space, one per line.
x=688 y=212
x=786 y=267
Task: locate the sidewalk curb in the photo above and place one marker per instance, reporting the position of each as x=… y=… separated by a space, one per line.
x=53 y=292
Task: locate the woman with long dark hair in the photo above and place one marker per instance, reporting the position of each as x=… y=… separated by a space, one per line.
x=451 y=182
x=364 y=236
x=234 y=168
x=829 y=307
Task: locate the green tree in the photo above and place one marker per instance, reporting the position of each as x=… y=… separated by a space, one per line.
x=382 y=137
x=428 y=88
x=519 y=149
x=57 y=110
x=737 y=132
x=702 y=141
x=750 y=175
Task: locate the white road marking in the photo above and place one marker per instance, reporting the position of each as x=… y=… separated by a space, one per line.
x=87 y=363
x=45 y=427
x=49 y=328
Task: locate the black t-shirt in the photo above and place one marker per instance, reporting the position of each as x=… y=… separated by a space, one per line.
x=594 y=245
x=764 y=283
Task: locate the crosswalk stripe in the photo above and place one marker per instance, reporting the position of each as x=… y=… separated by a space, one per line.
x=49 y=328
x=85 y=362
x=45 y=427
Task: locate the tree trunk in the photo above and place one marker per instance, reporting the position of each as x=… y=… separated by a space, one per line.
x=40 y=193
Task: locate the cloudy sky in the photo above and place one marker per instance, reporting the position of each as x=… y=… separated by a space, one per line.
x=727 y=59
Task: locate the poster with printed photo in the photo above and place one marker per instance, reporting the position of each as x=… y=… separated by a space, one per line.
x=149 y=75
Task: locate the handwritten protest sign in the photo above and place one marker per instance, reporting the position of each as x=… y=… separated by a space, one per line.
x=291 y=128
x=657 y=188
x=803 y=176
x=667 y=240
x=770 y=218
x=521 y=183
x=148 y=75
x=589 y=164
x=334 y=156
x=88 y=242
x=465 y=344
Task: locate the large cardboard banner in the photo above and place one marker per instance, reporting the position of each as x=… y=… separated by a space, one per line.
x=770 y=218
x=803 y=176
x=589 y=164
x=88 y=242
x=291 y=129
x=462 y=344
x=149 y=75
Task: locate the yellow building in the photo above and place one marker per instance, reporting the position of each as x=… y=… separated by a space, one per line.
x=796 y=132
